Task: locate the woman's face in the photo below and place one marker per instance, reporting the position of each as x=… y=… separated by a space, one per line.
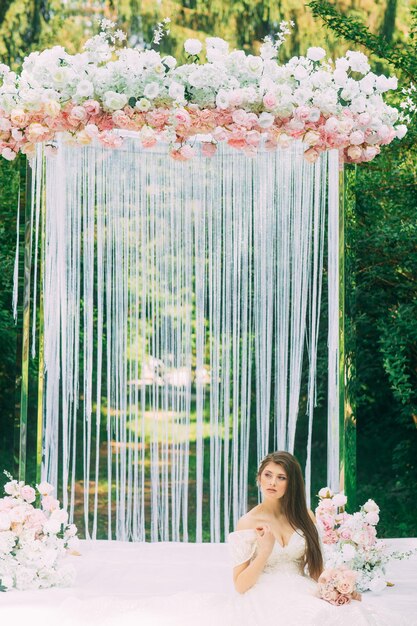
x=273 y=481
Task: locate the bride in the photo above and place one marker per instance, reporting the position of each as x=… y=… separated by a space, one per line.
x=277 y=560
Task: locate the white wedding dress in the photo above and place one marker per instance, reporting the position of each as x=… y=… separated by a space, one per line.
x=282 y=596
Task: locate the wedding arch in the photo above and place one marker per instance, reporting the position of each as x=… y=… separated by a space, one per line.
x=174 y=268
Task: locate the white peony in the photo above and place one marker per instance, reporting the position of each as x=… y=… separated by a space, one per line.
x=12 y=488
x=193 y=46
x=52 y=526
x=218 y=44
x=316 y=54
x=268 y=51
x=176 y=91
x=340 y=77
x=300 y=72
x=114 y=101
x=325 y=492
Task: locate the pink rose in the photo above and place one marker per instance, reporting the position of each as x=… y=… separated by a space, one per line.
x=28 y=493
x=182 y=116
x=235 y=98
x=364 y=119
x=311 y=138
x=208 y=149
x=77 y=115
x=5 y=124
x=92 y=107
x=357 y=138
x=120 y=119
x=370 y=152
x=19 y=118
x=341 y=600
x=354 y=153
x=330 y=595
x=332 y=125
x=184 y=153
x=240 y=117
x=220 y=134
x=311 y=155
x=110 y=140
x=330 y=537
x=302 y=113
x=36 y=132
x=253 y=138
x=8 y=154
x=269 y=100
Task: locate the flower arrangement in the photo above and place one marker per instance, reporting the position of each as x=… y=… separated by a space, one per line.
x=337 y=586
x=233 y=97
x=350 y=540
x=34 y=541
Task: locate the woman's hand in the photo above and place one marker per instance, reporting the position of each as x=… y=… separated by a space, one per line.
x=265 y=539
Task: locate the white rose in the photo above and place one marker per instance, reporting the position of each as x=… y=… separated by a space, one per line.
x=316 y=54
x=339 y=499
x=266 y=120
x=358 y=61
x=143 y=104
x=300 y=72
x=12 y=488
x=218 y=44
x=377 y=584
x=85 y=89
x=325 y=492
x=52 y=526
x=4 y=521
x=60 y=516
x=254 y=65
x=222 y=99
x=268 y=51
x=151 y=91
x=114 y=101
x=340 y=77
x=367 y=83
x=342 y=64
x=44 y=488
x=169 y=61
x=176 y=91
x=348 y=552
x=371 y=506
x=193 y=46
x=400 y=130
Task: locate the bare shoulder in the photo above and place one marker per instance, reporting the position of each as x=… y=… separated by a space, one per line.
x=313 y=517
x=247 y=521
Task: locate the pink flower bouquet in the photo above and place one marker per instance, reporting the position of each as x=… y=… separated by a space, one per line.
x=337 y=586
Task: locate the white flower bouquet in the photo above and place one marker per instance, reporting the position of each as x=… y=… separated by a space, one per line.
x=34 y=542
x=350 y=540
x=245 y=100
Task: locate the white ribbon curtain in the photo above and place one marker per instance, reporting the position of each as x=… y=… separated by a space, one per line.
x=179 y=301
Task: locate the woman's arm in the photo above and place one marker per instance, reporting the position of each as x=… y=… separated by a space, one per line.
x=246 y=574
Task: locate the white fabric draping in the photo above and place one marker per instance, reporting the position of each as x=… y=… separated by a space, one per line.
x=127 y=572
x=180 y=299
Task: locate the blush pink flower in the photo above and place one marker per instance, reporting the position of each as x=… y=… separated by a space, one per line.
x=28 y=493
x=269 y=100
x=208 y=149
x=92 y=107
x=240 y=117
x=19 y=118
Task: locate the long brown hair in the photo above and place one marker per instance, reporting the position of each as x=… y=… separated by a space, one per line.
x=294 y=507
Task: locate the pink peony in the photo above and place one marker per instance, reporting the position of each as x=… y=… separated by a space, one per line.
x=5 y=124
x=354 y=153
x=121 y=120
x=311 y=155
x=357 y=138
x=110 y=140
x=78 y=115
x=182 y=116
x=49 y=503
x=28 y=493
